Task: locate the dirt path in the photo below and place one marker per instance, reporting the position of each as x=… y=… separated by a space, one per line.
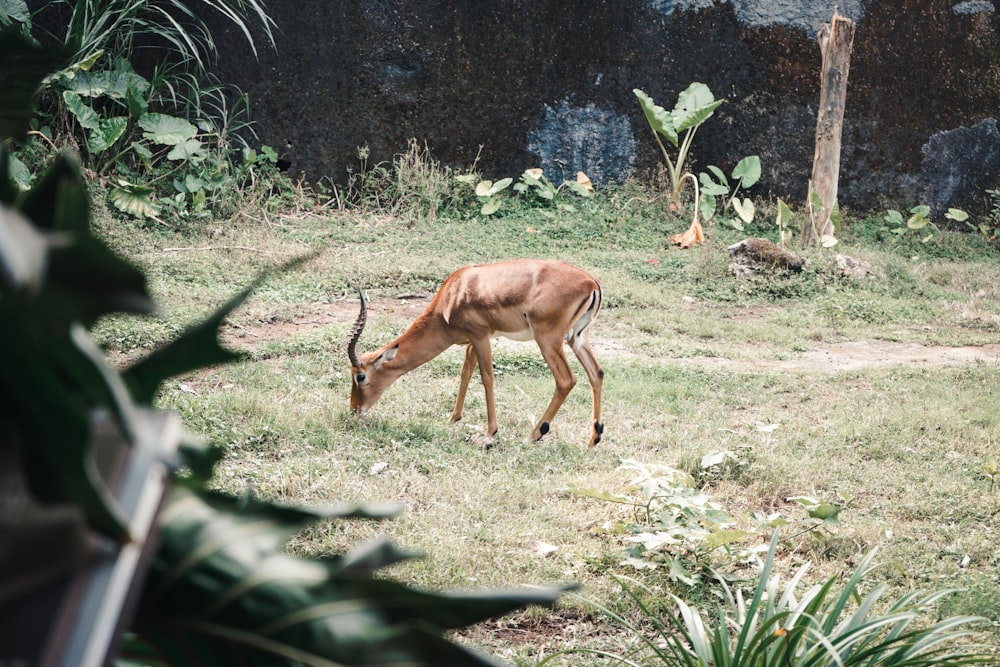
x=823 y=357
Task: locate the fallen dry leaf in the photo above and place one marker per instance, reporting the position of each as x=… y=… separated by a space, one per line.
x=693 y=236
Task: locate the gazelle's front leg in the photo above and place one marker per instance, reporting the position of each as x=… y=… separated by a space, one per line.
x=468 y=365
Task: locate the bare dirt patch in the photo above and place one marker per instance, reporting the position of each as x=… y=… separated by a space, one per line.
x=823 y=357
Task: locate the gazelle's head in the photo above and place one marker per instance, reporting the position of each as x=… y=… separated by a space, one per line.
x=367 y=383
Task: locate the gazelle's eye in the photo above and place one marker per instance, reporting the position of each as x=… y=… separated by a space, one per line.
x=359 y=378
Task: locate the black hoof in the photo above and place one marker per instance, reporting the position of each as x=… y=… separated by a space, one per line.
x=544 y=428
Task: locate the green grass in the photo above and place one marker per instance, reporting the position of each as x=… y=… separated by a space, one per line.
x=683 y=345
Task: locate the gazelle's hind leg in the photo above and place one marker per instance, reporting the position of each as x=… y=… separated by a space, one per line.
x=559 y=365
x=468 y=366
x=583 y=351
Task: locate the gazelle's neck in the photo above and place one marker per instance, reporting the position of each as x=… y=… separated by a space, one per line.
x=421 y=342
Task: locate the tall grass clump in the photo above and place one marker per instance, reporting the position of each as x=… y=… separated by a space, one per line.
x=413 y=186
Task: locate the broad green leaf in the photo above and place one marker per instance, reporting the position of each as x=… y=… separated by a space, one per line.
x=85 y=116
x=956 y=214
x=490 y=207
x=533 y=176
x=894 y=217
x=135 y=100
x=695 y=105
x=142 y=151
x=166 y=130
x=659 y=118
x=918 y=220
x=484 y=188
x=19 y=173
x=828 y=512
x=190 y=150
x=108 y=132
x=502 y=184
x=466 y=178
x=720 y=176
x=720 y=538
x=712 y=187
x=747 y=171
x=828 y=241
x=784 y=215
x=745 y=209
x=59 y=201
x=707 y=206
x=815 y=200
x=14 y=10
x=835 y=216
x=190 y=184
x=114 y=84
x=922 y=209
x=136 y=200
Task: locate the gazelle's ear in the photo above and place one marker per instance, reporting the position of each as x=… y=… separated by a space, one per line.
x=388 y=355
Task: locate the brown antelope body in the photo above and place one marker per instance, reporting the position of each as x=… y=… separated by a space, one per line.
x=549 y=301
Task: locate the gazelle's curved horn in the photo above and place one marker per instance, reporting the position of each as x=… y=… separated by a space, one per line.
x=359 y=326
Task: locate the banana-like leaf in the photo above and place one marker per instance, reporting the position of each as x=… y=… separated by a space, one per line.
x=222 y=590
x=660 y=119
x=695 y=105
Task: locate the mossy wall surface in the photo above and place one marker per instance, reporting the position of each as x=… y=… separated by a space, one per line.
x=524 y=83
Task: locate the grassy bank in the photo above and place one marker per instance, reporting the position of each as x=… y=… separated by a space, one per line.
x=696 y=362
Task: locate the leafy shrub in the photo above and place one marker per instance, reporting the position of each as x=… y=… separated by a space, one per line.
x=163 y=141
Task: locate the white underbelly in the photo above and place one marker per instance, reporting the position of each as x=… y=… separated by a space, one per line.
x=522 y=335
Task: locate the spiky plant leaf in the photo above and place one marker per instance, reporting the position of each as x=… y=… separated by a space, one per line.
x=222 y=590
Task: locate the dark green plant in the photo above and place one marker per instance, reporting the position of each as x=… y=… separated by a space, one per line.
x=222 y=589
x=781 y=625
x=167 y=135
x=714 y=184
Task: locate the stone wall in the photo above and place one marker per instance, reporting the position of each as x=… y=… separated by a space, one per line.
x=524 y=83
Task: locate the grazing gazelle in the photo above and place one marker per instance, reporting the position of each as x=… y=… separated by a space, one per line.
x=545 y=300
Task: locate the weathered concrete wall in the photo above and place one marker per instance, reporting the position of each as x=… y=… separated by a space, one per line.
x=543 y=82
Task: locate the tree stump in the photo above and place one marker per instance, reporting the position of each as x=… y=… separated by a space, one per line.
x=835 y=43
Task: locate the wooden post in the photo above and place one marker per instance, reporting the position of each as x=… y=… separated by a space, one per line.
x=835 y=43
